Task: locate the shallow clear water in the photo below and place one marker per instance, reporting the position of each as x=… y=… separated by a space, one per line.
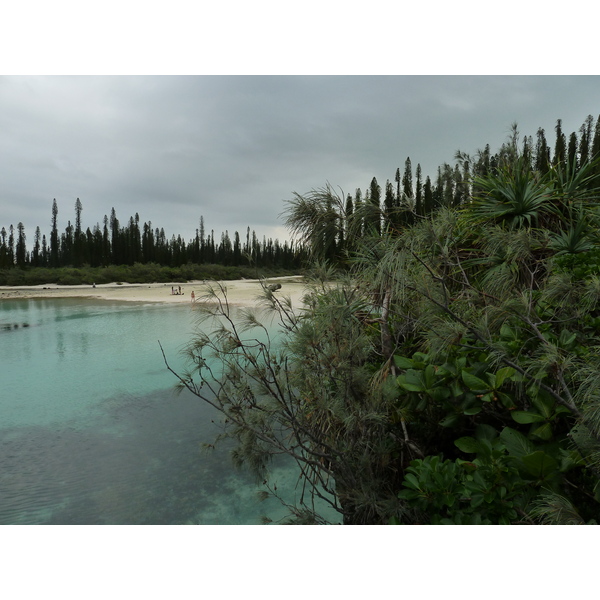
x=91 y=430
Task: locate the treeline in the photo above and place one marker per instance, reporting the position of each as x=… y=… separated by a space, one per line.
x=412 y=196
x=134 y=242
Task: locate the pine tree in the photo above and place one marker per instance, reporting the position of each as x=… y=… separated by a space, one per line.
x=21 y=252
x=45 y=253
x=11 y=246
x=572 y=152
x=407 y=183
x=78 y=239
x=560 y=147
x=54 y=236
x=389 y=205
x=106 y=249
x=542 y=158
x=419 y=191
x=438 y=189
x=66 y=250
x=115 y=242
x=528 y=152
x=585 y=141
x=374 y=202
x=596 y=141
x=459 y=192
x=237 y=250
x=357 y=220
x=427 y=197
x=36 y=254
x=3 y=249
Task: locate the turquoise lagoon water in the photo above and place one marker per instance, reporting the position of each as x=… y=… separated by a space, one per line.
x=92 y=432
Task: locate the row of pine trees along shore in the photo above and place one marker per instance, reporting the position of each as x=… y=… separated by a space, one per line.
x=445 y=365
x=116 y=244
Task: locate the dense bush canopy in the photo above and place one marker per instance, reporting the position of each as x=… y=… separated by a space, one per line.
x=446 y=367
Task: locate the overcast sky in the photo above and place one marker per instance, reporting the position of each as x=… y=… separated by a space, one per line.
x=234 y=148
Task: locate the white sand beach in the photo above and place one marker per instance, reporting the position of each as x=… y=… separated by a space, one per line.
x=242 y=292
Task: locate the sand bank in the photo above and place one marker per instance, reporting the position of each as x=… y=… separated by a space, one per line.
x=241 y=292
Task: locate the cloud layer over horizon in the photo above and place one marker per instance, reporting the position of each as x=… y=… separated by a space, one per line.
x=234 y=148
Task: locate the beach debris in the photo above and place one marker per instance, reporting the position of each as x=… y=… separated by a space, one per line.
x=274 y=287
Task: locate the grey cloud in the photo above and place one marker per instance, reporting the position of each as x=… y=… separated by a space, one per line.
x=234 y=148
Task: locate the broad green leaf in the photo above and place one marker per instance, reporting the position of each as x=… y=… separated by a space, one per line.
x=544 y=431
x=448 y=368
x=411 y=481
x=429 y=376
x=439 y=393
x=485 y=432
x=403 y=363
x=544 y=405
x=456 y=389
x=515 y=442
x=420 y=357
x=506 y=400
x=525 y=417
x=411 y=381
x=449 y=499
x=474 y=383
x=502 y=375
x=408 y=494
x=449 y=421
x=539 y=464
x=468 y=444
x=570 y=459
x=476 y=500
x=409 y=387
x=474 y=410
x=560 y=409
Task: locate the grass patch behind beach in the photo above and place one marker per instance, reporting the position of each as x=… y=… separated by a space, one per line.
x=137 y=273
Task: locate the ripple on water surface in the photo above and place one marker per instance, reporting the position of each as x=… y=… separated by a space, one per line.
x=91 y=432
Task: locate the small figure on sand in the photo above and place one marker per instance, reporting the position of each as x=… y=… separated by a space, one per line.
x=193 y=297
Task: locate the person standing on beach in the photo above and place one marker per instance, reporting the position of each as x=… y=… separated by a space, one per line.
x=193 y=297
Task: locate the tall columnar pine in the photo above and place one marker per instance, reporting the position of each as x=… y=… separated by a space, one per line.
x=419 y=191
x=21 y=250
x=54 y=244
x=560 y=147
x=542 y=153
x=572 y=152
x=373 y=203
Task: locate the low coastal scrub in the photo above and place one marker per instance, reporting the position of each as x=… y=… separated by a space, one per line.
x=136 y=273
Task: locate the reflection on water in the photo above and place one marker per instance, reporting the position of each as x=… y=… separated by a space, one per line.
x=91 y=431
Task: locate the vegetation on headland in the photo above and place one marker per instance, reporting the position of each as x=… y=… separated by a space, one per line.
x=446 y=369
x=136 y=273
x=135 y=244
x=137 y=254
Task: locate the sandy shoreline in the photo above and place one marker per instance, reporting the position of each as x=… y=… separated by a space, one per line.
x=241 y=292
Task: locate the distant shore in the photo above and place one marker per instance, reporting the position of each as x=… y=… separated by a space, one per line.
x=240 y=292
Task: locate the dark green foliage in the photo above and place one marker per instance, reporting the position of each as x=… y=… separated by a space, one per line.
x=136 y=273
x=447 y=369
x=128 y=245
